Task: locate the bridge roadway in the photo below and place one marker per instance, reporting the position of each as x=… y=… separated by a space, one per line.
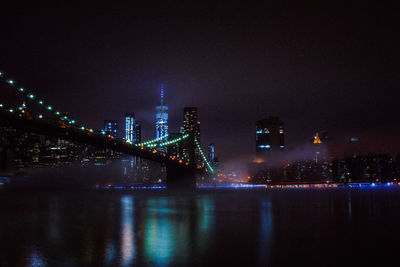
x=179 y=175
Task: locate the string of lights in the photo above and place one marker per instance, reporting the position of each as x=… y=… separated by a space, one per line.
x=33 y=97
x=169 y=142
x=48 y=107
x=157 y=142
x=203 y=156
x=152 y=141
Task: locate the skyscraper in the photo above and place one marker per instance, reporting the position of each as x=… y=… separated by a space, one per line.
x=129 y=127
x=132 y=129
x=191 y=126
x=111 y=127
x=162 y=118
x=211 y=153
x=137 y=138
x=270 y=136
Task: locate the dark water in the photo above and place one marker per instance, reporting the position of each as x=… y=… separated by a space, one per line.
x=335 y=227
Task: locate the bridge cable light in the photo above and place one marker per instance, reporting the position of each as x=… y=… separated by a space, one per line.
x=30 y=95
x=203 y=156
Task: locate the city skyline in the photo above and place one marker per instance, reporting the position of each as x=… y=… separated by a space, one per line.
x=312 y=75
x=199 y=134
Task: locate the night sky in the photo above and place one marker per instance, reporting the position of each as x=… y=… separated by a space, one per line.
x=317 y=66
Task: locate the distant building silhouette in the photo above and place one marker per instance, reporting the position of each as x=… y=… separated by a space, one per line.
x=137 y=138
x=270 y=136
x=211 y=154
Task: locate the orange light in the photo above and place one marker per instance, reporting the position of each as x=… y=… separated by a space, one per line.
x=317 y=140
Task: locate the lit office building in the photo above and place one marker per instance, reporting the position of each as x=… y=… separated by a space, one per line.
x=270 y=136
x=129 y=127
x=132 y=129
x=191 y=126
x=162 y=118
x=111 y=127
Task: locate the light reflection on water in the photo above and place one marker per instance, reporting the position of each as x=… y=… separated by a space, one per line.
x=265 y=230
x=202 y=229
x=127 y=225
x=160 y=235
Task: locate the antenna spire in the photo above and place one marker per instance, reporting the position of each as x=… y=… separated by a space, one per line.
x=162 y=94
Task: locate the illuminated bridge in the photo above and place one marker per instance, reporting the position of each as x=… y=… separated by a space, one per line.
x=37 y=116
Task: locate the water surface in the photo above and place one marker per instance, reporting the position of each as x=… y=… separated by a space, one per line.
x=329 y=227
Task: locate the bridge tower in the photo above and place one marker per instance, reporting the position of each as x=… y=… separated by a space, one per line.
x=179 y=177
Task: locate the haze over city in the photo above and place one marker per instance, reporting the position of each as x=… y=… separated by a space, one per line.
x=318 y=66
x=199 y=134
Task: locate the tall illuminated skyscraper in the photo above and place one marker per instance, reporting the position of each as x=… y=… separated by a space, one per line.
x=162 y=118
x=129 y=127
x=191 y=125
x=132 y=129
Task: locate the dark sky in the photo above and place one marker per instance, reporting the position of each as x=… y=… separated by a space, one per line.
x=317 y=66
